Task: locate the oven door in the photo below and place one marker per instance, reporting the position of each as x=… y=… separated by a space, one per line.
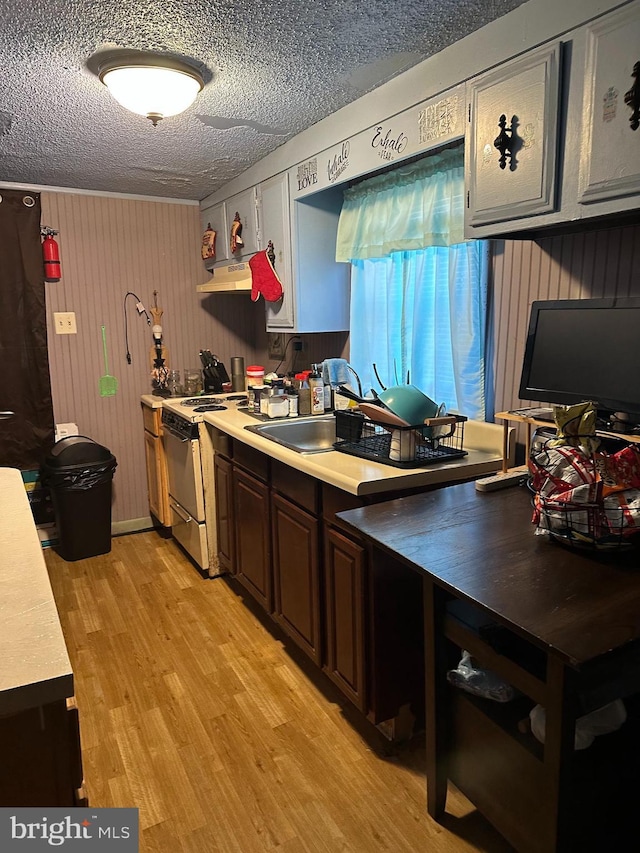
x=186 y=495
x=185 y=473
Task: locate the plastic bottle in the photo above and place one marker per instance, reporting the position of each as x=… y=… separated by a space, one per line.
x=292 y=394
x=316 y=385
x=327 y=398
x=304 y=394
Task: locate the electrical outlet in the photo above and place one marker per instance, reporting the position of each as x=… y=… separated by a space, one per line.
x=276 y=345
x=65 y=322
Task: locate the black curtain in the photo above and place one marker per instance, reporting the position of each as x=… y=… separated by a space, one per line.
x=25 y=387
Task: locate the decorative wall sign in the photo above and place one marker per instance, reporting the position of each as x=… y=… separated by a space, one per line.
x=439 y=119
x=339 y=163
x=307 y=174
x=420 y=128
x=387 y=143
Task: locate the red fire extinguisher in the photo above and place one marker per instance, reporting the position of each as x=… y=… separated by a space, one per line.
x=50 y=254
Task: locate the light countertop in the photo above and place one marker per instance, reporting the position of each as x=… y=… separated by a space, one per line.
x=152 y=401
x=34 y=664
x=483 y=441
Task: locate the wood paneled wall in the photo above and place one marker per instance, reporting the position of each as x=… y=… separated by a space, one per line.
x=112 y=245
x=577 y=266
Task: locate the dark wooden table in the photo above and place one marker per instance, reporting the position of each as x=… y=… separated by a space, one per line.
x=560 y=625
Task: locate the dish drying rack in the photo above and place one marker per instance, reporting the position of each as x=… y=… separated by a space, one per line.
x=436 y=440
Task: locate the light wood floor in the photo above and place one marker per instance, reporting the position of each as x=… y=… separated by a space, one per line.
x=193 y=712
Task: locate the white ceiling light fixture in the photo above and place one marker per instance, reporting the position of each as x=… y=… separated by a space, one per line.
x=152 y=85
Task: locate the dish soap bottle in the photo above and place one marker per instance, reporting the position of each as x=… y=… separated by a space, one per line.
x=316 y=386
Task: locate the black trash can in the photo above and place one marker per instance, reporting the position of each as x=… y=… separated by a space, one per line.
x=79 y=472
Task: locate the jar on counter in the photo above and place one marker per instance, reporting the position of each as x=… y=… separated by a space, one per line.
x=255 y=397
x=304 y=394
x=255 y=375
x=265 y=393
x=277 y=406
x=292 y=397
x=174 y=386
x=192 y=381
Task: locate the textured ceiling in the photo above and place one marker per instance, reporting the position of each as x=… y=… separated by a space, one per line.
x=273 y=68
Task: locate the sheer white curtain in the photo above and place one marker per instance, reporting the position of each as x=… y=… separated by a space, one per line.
x=418 y=292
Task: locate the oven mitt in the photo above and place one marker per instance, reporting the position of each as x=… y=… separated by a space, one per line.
x=264 y=278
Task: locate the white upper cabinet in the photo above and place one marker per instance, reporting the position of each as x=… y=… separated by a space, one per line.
x=242 y=205
x=321 y=284
x=511 y=140
x=610 y=164
x=303 y=233
x=216 y=217
x=274 y=227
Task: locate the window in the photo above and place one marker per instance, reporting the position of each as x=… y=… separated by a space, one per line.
x=418 y=292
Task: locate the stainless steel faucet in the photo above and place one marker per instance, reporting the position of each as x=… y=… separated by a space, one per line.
x=357 y=379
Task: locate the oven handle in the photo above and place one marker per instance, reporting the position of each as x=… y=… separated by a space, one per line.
x=184 y=515
x=176 y=434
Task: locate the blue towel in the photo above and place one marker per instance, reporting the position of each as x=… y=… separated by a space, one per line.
x=335 y=371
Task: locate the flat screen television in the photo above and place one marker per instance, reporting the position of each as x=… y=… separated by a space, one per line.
x=584 y=349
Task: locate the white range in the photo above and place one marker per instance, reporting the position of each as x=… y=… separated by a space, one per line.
x=189 y=456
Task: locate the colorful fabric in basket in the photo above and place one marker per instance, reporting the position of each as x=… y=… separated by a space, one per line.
x=585 y=495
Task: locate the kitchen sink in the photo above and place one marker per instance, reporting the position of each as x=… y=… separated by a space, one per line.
x=304 y=435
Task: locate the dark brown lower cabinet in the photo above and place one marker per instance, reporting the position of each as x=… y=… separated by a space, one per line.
x=360 y=620
x=41 y=761
x=253 y=536
x=344 y=567
x=296 y=574
x=225 y=518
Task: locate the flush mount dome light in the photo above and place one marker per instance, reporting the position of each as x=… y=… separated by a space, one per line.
x=152 y=86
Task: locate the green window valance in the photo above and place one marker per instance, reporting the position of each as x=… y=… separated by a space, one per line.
x=414 y=207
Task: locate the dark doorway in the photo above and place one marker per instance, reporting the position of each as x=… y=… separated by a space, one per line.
x=25 y=389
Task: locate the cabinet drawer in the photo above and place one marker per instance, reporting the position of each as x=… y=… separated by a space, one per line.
x=335 y=500
x=221 y=442
x=152 y=419
x=251 y=460
x=190 y=534
x=298 y=487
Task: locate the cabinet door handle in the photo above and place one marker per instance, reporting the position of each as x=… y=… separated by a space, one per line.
x=632 y=98
x=271 y=253
x=503 y=141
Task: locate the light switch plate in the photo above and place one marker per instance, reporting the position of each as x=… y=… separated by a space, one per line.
x=65 y=322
